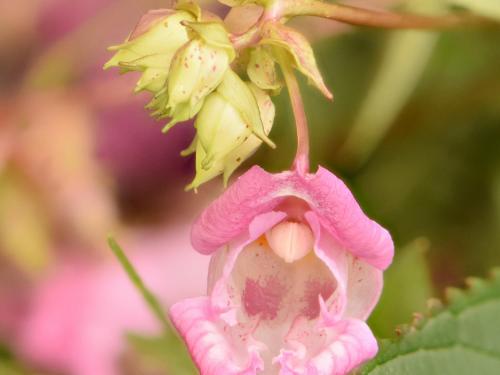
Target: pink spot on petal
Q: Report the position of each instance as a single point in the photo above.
(264, 299)
(314, 289)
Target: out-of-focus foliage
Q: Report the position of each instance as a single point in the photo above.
(462, 339)
(487, 8)
(407, 288)
(163, 352)
(24, 234)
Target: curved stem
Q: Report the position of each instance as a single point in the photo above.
(301, 161)
(365, 17)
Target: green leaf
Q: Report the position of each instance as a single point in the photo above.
(463, 339)
(407, 288)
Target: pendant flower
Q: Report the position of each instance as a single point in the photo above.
(296, 270)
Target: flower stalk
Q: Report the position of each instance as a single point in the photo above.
(370, 18)
(301, 161)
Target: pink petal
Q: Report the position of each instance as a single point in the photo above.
(364, 288)
(216, 347)
(331, 348)
(337, 261)
(230, 215)
(359, 283)
(342, 216)
(227, 259)
(257, 192)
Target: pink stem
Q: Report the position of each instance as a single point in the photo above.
(301, 161)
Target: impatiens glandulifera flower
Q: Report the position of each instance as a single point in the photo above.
(296, 270)
(224, 139)
(151, 47)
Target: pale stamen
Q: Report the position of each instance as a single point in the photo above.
(291, 241)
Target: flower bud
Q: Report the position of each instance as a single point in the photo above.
(287, 44)
(196, 70)
(151, 47)
(227, 163)
(261, 69)
(220, 129)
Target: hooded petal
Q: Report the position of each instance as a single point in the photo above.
(257, 192)
(230, 215)
(342, 216)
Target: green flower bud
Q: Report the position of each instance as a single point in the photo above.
(151, 47)
(196, 71)
(212, 136)
(236, 92)
(220, 129)
(262, 71)
(290, 45)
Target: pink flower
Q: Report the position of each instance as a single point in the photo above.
(297, 269)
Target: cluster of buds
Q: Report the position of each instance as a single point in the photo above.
(188, 60)
(184, 56)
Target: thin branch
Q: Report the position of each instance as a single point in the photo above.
(383, 19)
(301, 161)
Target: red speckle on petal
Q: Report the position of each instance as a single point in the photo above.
(263, 299)
(314, 289)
